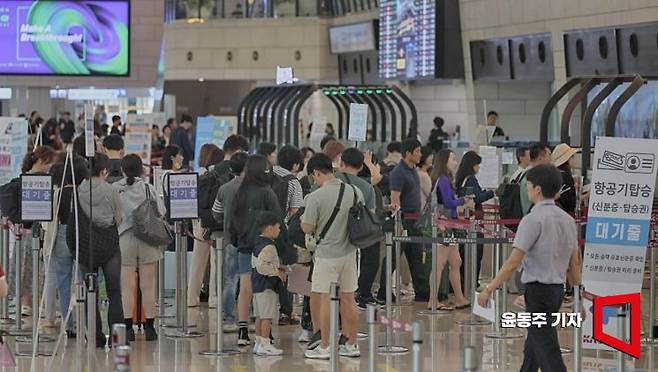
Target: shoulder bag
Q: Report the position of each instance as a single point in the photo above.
(363, 226)
(148, 224)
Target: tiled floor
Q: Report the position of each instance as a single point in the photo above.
(442, 350)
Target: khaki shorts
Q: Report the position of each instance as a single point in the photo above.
(340, 270)
(265, 305)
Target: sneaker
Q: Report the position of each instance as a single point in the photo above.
(362, 304)
(230, 327)
(318, 353)
(256, 347)
(382, 300)
(243, 337)
(26, 310)
(101, 340)
(269, 350)
(350, 351)
(315, 341)
(305, 336)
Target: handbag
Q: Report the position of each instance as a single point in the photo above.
(148, 224)
(105, 245)
(363, 227)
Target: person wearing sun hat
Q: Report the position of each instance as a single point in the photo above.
(563, 158)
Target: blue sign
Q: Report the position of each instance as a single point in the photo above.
(211, 129)
(618, 231)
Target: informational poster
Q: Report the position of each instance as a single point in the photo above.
(284, 75)
(18, 145)
(138, 136)
(490, 169)
(212, 129)
(620, 206)
(36, 197)
(90, 148)
(8, 160)
(183, 196)
(358, 125)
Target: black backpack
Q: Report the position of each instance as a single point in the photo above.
(10, 202)
(295, 233)
(209, 185)
(384, 183)
(510, 201)
(280, 186)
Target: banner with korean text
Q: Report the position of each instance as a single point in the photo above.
(138, 136)
(13, 147)
(618, 223)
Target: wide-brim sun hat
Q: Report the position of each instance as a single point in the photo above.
(562, 153)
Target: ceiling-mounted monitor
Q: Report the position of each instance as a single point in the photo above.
(407, 43)
(355, 37)
(73, 38)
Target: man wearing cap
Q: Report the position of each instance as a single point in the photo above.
(563, 159)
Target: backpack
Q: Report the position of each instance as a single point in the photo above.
(10, 203)
(209, 185)
(295, 233)
(384, 183)
(510, 201)
(280, 186)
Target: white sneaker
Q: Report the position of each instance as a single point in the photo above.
(230, 327)
(269, 350)
(318, 353)
(305, 336)
(256, 349)
(350, 351)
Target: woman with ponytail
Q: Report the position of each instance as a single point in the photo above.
(136, 254)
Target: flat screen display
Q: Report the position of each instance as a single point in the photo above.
(358, 37)
(407, 39)
(52, 37)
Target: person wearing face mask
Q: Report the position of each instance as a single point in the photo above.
(36, 162)
(106, 217)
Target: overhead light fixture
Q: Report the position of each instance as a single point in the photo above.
(201, 80)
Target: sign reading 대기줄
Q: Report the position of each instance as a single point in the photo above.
(36, 197)
(183, 196)
(618, 223)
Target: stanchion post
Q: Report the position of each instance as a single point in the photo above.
(388, 348)
(372, 336)
(333, 325)
(80, 294)
(18, 330)
(90, 282)
(181, 287)
(4, 260)
(621, 329)
(219, 265)
(470, 277)
(122, 359)
(398, 257)
(578, 332)
(470, 359)
(417, 343)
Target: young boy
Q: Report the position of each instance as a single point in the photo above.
(267, 277)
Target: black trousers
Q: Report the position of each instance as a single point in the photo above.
(542, 348)
(419, 269)
(285, 301)
(369, 267)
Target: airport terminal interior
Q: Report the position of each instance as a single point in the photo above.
(328, 185)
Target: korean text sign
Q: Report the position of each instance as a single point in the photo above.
(36, 197)
(620, 206)
(183, 196)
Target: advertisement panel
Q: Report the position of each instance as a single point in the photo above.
(65, 37)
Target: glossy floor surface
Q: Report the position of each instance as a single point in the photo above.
(442, 350)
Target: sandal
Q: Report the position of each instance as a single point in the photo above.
(462, 307)
(442, 307)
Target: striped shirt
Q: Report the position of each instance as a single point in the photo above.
(295, 194)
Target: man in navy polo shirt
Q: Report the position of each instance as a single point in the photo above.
(404, 184)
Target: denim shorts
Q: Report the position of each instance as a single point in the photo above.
(244, 263)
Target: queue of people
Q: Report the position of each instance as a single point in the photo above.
(260, 200)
